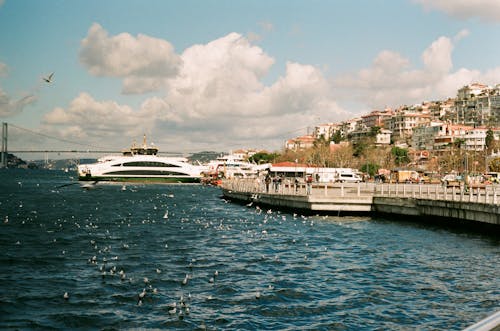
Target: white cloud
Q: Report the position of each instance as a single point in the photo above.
(144, 61)
(437, 57)
(8, 106)
(3, 69)
(392, 81)
(215, 97)
(460, 35)
(219, 88)
(100, 119)
(487, 10)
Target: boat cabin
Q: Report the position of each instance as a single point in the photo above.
(141, 150)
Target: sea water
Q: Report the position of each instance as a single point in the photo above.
(181, 257)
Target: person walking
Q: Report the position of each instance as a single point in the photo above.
(309, 181)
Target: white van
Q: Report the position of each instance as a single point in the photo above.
(349, 177)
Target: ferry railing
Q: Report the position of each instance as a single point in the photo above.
(487, 194)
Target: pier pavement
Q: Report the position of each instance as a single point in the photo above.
(480, 204)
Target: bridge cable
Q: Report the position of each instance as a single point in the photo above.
(54, 138)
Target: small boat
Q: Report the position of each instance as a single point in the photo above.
(142, 164)
(234, 166)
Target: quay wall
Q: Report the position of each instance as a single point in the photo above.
(282, 201)
(460, 210)
(428, 201)
(314, 203)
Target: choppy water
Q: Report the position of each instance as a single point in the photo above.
(276, 271)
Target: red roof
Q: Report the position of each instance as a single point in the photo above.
(289, 164)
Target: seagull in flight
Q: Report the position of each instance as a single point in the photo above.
(48, 79)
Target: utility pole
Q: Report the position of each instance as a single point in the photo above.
(3, 152)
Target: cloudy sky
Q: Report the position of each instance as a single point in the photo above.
(225, 74)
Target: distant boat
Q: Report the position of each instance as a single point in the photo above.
(233, 166)
(141, 163)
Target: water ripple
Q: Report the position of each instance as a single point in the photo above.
(206, 264)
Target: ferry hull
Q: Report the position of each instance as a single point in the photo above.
(140, 179)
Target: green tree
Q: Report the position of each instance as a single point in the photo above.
(370, 168)
(400, 155)
(337, 136)
(360, 147)
(489, 140)
(321, 142)
(458, 143)
(262, 157)
(374, 131)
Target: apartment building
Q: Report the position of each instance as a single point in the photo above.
(300, 143)
(424, 135)
(350, 126)
(383, 137)
(433, 125)
(325, 130)
(376, 118)
(475, 139)
(404, 121)
(478, 105)
(448, 134)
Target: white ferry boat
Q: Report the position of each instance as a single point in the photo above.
(233, 166)
(141, 163)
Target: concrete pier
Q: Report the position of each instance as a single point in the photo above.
(305, 202)
(477, 205)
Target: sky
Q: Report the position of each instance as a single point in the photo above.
(221, 75)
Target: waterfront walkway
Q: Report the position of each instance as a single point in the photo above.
(481, 204)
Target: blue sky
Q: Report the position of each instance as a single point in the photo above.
(221, 75)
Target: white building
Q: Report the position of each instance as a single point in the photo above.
(403, 122)
(475, 139)
(383, 137)
(325, 130)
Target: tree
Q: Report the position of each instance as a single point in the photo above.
(262, 157)
(400, 155)
(319, 155)
(337, 136)
(321, 142)
(458, 143)
(370, 168)
(489, 140)
(494, 164)
(342, 157)
(374, 131)
(360, 147)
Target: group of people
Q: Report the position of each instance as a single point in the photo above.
(278, 180)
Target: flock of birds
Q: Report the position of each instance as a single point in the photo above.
(149, 286)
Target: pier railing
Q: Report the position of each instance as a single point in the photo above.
(487, 194)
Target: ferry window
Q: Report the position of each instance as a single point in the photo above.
(148, 164)
(146, 173)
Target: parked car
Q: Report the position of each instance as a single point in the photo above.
(450, 180)
(493, 177)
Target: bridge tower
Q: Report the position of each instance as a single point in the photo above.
(3, 152)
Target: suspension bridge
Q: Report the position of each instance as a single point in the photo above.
(82, 148)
